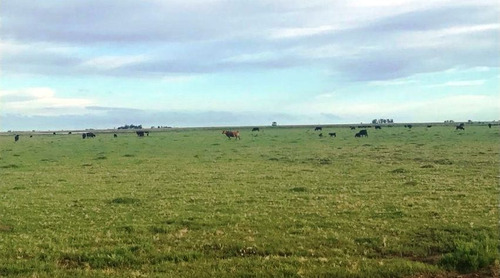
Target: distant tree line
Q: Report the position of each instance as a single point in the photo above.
(382, 121)
(130, 127)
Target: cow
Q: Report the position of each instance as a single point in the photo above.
(378, 127)
(460, 127)
(141, 133)
(489, 125)
(84, 135)
(429, 125)
(255, 129)
(357, 135)
(88, 135)
(16, 138)
(320, 135)
(114, 135)
(332, 134)
(363, 132)
(318, 128)
(409, 126)
(230, 133)
(352, 127)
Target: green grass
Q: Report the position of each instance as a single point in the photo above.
(282, 202)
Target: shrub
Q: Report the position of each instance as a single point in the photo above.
(470, 256)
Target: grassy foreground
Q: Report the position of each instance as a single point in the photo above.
(282, 202)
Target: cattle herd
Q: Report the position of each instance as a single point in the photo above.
(236, 134)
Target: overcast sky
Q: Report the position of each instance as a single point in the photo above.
(106, 63)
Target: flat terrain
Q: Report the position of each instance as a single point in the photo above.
(282, 202)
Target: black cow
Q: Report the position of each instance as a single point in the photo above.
(320, 135)
(255, 129)
(332, 134)
(114, 135)
(460, 127)
(429, 126)
(363, 132)
(352, 127)
(84, 135)
(378, 127)
(141, 133)
(489, 125)
(357, 135)
(409, 126)
(16, 138)
(318, 128)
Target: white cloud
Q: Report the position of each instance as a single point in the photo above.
(285, 33)
(463, 83)
(40, 101)
(113, 62)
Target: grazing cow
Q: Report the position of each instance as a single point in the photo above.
(460, 127)
(255, 129)
(352, 127)
(363, 132)
(114, 135)
(320, 135)
(88, 135)
(357, 135)
(429, 126)
(53, 133)
(140, 133)
(409, 126)
(332, 134)
(230, 133)
(16, 138)
(318, 128)
(378, 127)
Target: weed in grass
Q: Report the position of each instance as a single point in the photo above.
(125, 200)
(470, 256)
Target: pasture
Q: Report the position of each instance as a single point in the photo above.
(281, 202)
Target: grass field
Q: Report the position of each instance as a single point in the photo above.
(280, 203)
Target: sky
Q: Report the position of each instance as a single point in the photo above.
(193, 63)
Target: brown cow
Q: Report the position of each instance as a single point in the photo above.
(230, 133)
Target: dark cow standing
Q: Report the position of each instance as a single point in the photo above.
(489, 125)
(378, 127)
(255, 129)
(141, 133)
(230, 133)
(361, 133)
(321, 135)
(84, 135)
(114, 135)
(332, 134)
(460, 127)
(318, 128)
(16, 138)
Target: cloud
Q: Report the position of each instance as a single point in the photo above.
(113, 62)
(40, 101)
(362, 41)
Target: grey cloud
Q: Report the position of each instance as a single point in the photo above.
(201, 38)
